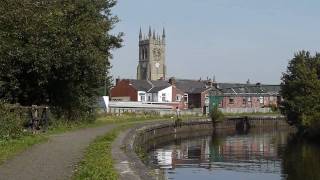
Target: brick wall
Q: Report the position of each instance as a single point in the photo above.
(182, 103)
(252, 102)
(123, 89)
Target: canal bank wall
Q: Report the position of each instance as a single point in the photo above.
(133, 144)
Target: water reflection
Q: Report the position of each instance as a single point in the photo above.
(256, 155)
(301, 160)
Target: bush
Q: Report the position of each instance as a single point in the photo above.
(216, 115)
(11, 124)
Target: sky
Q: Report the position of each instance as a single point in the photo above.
(233, 40)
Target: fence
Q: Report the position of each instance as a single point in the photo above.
(246, 110)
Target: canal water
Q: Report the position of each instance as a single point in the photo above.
(255, 155)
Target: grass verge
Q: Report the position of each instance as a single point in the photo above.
(98, 161)
(11, 147)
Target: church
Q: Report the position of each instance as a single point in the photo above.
(152, 55)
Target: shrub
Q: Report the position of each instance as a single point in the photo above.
(11, 124)
(216, 115)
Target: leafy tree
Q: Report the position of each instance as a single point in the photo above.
(56, 52)
(300, 89)
(216, 115)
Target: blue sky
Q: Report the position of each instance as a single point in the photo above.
(234, 40)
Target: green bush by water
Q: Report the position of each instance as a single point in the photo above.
(216, 115)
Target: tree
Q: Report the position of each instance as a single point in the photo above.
(56, 52)
(216, 115)
(300, 89)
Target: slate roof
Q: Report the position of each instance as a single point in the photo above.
(198, 86)
(141, 85)
(190, 86)
(157, 89)
(249, 90)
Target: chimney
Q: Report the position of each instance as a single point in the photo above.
(172, 81)
(118, 80)
(209, 83)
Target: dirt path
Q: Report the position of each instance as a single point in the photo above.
(53, 160)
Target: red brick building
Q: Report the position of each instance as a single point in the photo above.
(248, 96)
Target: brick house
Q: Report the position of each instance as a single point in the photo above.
(248, 96)
(195, 92)
(155, 92)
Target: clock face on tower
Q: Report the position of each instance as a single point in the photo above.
(157, 65)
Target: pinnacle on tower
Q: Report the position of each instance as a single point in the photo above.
(140, 35)
(164, 36)
(164, 33)
(149, 31)
(154, 34)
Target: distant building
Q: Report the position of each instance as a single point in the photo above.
(246, 97)
(152, 55)
(155, 92)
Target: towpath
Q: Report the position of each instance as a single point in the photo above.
(53, 160)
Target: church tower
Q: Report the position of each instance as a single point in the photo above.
(152, 56)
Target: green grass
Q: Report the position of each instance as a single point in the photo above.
(9, 148)
(98, 163)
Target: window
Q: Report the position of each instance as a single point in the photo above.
(143, 98)
(163, 97)
(244, 101)
(178, 98)
(231, 101)
(261, 100)
(206, 100)
(186, 98)
(146, 54)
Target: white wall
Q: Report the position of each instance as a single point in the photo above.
(139, 96)
(168, 94)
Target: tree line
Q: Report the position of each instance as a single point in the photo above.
(56, 53)
(300, 89)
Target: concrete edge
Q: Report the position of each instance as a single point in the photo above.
(127, 162)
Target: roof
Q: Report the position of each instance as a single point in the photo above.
(198, 86)
(191, 86)
(149, 86)
(141, 85)
(157, 89)
(246, 90)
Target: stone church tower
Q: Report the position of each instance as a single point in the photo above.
(152, 51)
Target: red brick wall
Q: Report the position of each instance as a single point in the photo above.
(175, 91)
(124, 89)
(254, 103)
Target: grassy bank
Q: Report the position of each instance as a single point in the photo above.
(98, 162)
(11, 147)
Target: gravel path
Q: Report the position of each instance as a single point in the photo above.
(53, 160)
